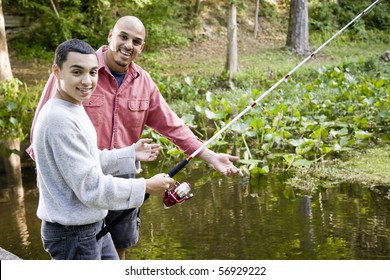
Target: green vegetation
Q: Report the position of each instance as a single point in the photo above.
(17, 107)
(338, 102)
(368, 168)
(309, 119)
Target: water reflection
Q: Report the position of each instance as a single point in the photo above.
(231, 218)
(18, 201)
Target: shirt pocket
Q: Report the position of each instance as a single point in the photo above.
(94, 108)
(138, 110)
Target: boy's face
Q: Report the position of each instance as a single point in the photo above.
(78, 77)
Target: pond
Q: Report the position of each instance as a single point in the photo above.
(230, 218)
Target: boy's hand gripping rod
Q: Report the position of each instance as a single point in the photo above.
(184, 162)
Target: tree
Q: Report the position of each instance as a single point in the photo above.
(298, 27)
(232, 50)
(197, 6)
(256, 19)
(12, 160)
(5, 65)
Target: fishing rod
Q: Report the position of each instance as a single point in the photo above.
(180, 192)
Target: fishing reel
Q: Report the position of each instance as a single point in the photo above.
(177, 194)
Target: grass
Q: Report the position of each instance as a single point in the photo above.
(209, 60)
(368, 168)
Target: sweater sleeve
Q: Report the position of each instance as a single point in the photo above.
(119, 162)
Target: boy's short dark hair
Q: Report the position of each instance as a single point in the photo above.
(72, 45)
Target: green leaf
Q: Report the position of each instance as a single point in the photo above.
(260, 170)
(11, 106)
(320, 133)
(341, 132)
(188, 81)
(302, 163)
(296, 142)
(13, 121)
(363, 134)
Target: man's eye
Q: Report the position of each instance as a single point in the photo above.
(76, 72)
(94, 73)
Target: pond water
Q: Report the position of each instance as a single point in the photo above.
(230, 218)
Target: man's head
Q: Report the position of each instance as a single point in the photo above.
(76, 69)
(126, 41)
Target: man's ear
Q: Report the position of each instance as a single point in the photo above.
(142, 48)
(109, 37)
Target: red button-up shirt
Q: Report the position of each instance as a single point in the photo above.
(120, 114)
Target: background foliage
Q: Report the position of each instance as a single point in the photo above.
(169, 23)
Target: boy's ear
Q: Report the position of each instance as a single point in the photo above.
(56, 70)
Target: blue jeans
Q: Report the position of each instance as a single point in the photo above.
(77, 242)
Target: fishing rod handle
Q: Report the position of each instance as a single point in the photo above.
(178, 167)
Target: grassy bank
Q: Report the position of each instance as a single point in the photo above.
(367, 168)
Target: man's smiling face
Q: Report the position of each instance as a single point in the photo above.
(126, 41)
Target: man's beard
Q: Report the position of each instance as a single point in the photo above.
(120, 63)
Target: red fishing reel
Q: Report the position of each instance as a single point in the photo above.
(177, 194)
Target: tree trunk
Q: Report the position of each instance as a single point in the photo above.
(12, 163)
(232, 55)
(5, 65)
(298, 27)
(256, 20)
(197, 6)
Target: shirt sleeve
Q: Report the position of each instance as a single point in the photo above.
(47, 93)
(162, 119)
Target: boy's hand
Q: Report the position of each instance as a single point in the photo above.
(158, 184)
(144, 151)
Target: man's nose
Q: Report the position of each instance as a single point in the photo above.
(129, 45)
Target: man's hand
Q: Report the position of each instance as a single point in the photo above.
(144, 151)
(221, 162)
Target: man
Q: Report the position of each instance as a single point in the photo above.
(125, 100)
(75, 179)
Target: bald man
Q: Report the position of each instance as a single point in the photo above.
(125, 100)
